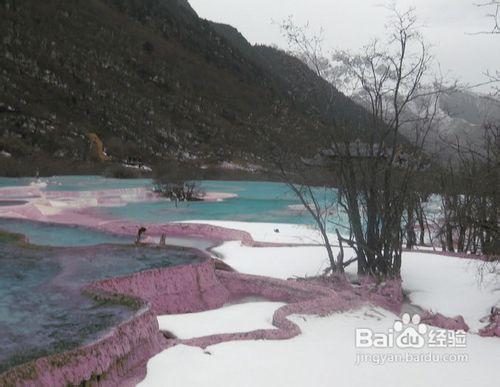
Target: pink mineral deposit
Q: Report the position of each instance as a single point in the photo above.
(493, 328)
(451, 323)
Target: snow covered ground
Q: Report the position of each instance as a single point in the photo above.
(276, 262)
(434, 282)
(324, 355)
(267, 232)
(450, 286)
(257, 315)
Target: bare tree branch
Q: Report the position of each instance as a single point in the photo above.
(494, 15)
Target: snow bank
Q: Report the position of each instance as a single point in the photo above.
(437, 283)
(449, 286)
(276, 262)
(324, 355)
(273, 232)
(235, 318)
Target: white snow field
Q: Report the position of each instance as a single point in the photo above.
(266, 232)
(434, 282)
(256, 315)
(325, 353)
(450, 286)
(277, 262)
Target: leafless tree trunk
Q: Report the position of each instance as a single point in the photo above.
(319, 211)
(374, 168)
(470, 193)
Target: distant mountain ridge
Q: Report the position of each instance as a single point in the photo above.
(466, 113)
(461, 118)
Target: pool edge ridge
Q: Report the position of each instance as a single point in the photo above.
(126, 348)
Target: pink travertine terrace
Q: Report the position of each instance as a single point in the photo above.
(120, 356)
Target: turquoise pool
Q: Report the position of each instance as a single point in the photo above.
(42, 308)
(256, 202)
(59, 236)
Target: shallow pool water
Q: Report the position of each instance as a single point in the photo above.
(42, 308)
(59, 236)
(256, 202)
(8, 203)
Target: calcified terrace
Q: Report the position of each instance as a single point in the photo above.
(119, 291)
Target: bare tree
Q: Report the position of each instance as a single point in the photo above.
(317, 208)
(170, 182)
(494, 14)
(374, 166)
(178, 190)
(493, 77)
(470, 192)
(307, 46)
(471, 196)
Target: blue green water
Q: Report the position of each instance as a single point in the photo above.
(53, 235)
(256, 202)
(14, 182)
(42, 308)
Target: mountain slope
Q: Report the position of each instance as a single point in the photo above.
(152, 81)
(461, 118)
(464, 115)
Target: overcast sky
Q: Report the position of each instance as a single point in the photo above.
(348, 24)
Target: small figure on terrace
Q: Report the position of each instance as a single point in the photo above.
(140, 233)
